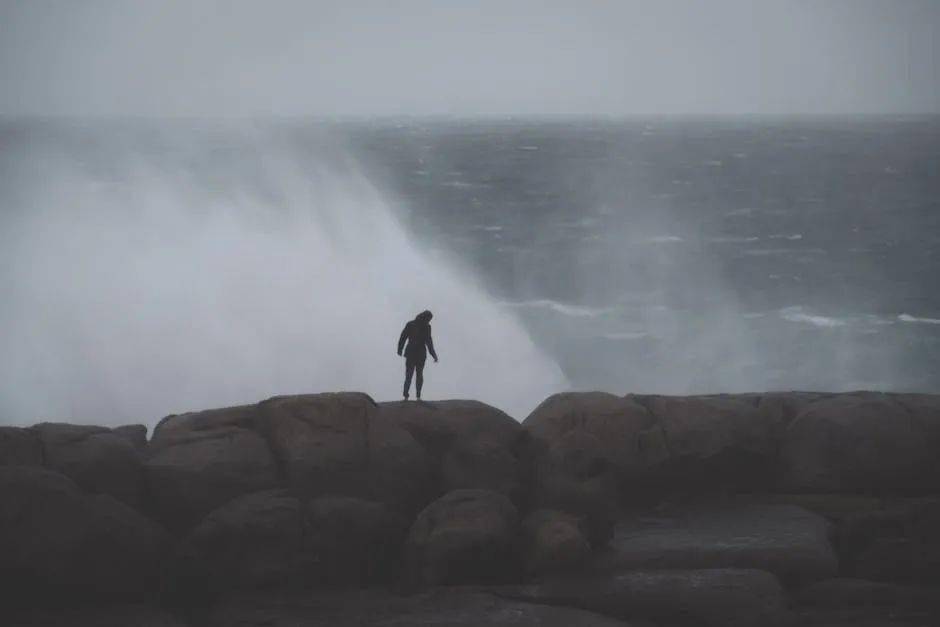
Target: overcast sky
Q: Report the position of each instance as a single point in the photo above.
(234, 58)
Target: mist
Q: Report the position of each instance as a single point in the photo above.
(149, 270)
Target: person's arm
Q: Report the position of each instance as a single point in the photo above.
(431, 344)
(402, 338)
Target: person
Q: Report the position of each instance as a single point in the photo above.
(417, 333)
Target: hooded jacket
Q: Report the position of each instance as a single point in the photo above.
(417, 333)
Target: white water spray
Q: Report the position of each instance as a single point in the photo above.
(150, 271)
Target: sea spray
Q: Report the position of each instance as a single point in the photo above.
(165, 267)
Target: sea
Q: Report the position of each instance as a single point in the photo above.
(692, 255)
(148, 265)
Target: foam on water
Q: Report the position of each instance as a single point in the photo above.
(797, 314)
(576, 311)
(909, 318)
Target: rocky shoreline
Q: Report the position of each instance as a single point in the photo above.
(784, 508)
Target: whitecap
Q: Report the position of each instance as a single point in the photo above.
(664, 239)
(576, 311)
(625, 335)
(792, 238)
(796, 314)
(908, 318)
(734, 240)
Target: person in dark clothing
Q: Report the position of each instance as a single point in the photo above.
(418, 335)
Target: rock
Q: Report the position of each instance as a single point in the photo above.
(860, 442)
(175, 425)
(135, 434)
(466, 536)
(436, 424)
(468, 444)
(95, 458)
(720, 597)
(573, 476)
(251, 541)
(780, 408)
(857, 532)
(439, 607)
(553, 541)
(483, 465)
(785, 540)
(834, 507)
(19, 447)
(338, 444)
(582, 448)
(193, 472)
(352, 541)
(900, 559)
(860, 593)
(108, 616)
(617, 424)
(713, 442)
(62, 546)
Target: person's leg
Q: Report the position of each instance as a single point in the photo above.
(409, 368)
(419, 379)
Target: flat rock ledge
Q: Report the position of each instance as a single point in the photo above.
(779, 508)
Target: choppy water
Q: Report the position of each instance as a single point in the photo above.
(697, 254)
(151, 267)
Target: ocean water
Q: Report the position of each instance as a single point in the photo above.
(693, 255)
(151, 267)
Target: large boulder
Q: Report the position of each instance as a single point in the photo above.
(900, 559)
(855, 593)
(193, 472)
(60, 545)
(713, 442)
(466, 536)
(95, 458)
(130, 615)
(272, 538)
(619, 426)
(785, 540)
(135, 434)
(572, 476)
(377, 608)
(338, 444)
(20, 447)
(861, 442)
(582, 449)
(252, 541)
(780, 408)
(352, 541)
(181, 426)
(469, 444)
(553, 541)
(719, 597)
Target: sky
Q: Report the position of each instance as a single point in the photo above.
(446, 57)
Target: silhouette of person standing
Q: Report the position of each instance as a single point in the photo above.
(417, 333)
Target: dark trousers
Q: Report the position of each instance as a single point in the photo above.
(414, 367)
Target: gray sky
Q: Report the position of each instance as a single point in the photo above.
(214, 57)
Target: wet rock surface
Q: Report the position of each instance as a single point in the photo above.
(199, 470)
(450, 607)
(752, 509)
(673, 596)
(466, 536)
(786, 540)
